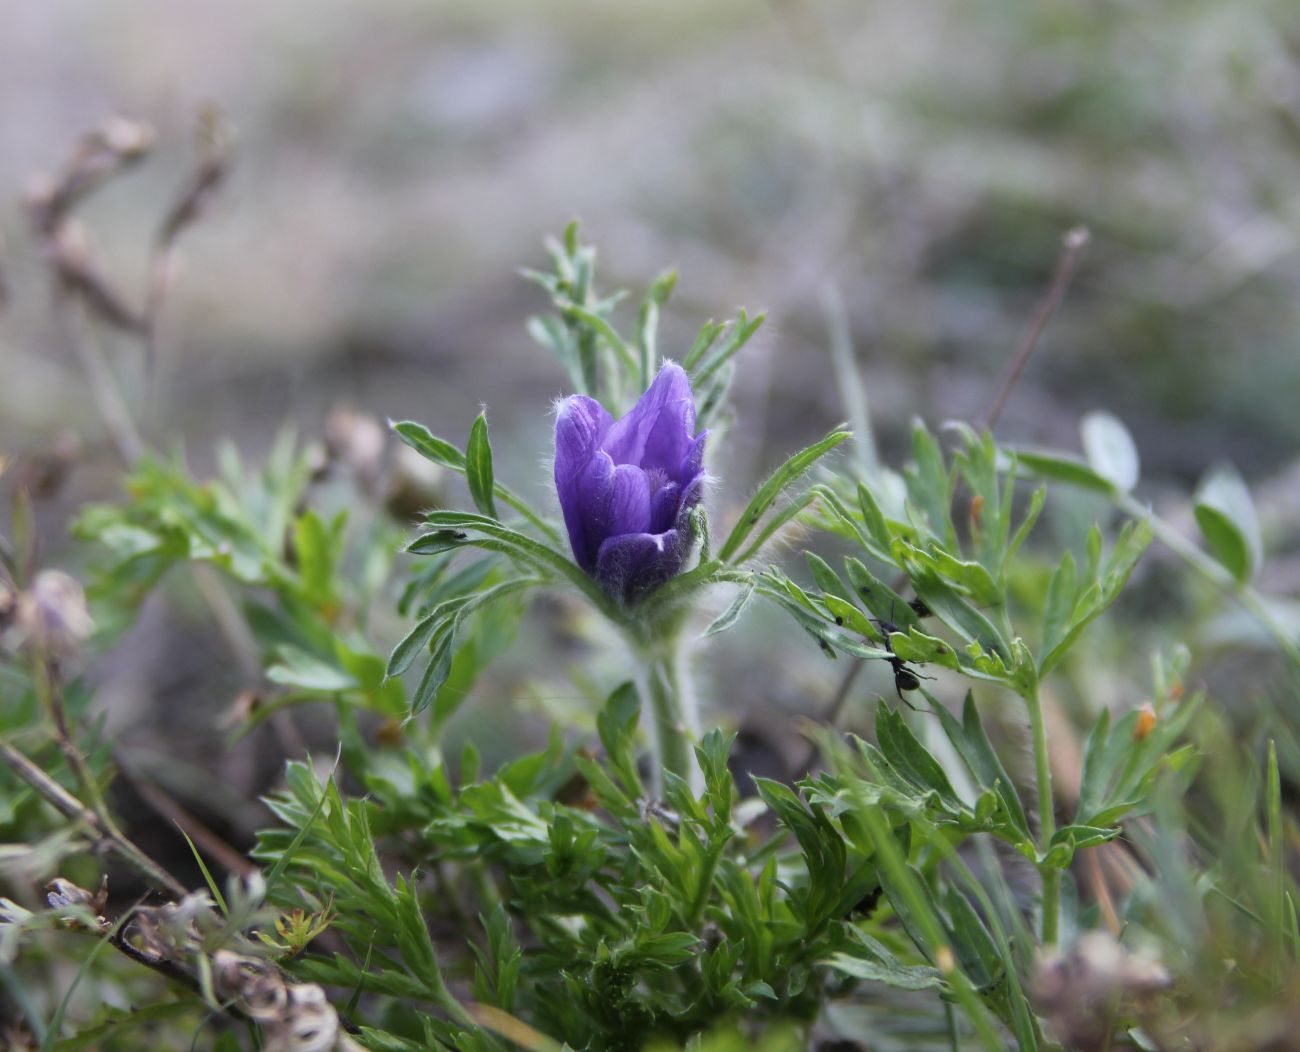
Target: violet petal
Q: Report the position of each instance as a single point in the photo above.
(631, 565)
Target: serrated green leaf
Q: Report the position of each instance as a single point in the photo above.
(1133, 540)
(887, 970)
(973, 746)
(881, 601)
(910, 758)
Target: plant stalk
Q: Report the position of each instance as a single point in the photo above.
(1051, 877)
(665, 687)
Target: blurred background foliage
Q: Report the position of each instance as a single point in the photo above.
(398, 161)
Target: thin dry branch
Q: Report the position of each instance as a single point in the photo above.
(1073, 244)
(68, 805)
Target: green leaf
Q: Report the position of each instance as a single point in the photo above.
(975, 948)
(478, 467)
(1097, 765)
(1105, 589)
(1062, 468)
(601, 327)
(1081, 836)
(298, 668)
(885, 968)
(317, 549)
(874, 520)
(708, 336)
(498, 538)
(881, 601)
(741, 331)
(847, 615)
(732, 614)
(971, 578)
(437, 542)
(413, 642)
(1225, 512)
(1035, 508)
(951, 608)
(975, 749)
(1110, 450)
(435, 674)
(429, 446)
(774, 524)
(441, 452)
(1058, 610)
(552, 333)
(648, 324)
(776, 483)
(910, 758)
(616, 724)
(929, 484)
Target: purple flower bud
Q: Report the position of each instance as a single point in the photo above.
(627, 487)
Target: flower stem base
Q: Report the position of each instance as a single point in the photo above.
(665, 689)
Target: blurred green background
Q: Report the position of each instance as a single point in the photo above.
(398, 160)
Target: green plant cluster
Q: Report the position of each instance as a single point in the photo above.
(593, 896)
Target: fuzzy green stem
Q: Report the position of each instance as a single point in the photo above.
(1051, 876)
(666, 690)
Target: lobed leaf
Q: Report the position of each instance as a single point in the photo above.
(784, 476)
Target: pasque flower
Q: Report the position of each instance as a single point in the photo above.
(627, 486)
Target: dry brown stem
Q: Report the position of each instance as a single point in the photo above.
(1073, 244)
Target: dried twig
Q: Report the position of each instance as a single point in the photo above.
(215, 142)
(71, 807)
(1073, 244)
(171, 940)
(165, 807)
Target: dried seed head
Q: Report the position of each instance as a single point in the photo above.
(414, 485)
(256, 985)
(357, 441)
(127, 138)
(63, 894)
(1081, 989)
(43, 473)
(310, 1022)
(52, 616)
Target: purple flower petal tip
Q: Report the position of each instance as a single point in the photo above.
(627, 486)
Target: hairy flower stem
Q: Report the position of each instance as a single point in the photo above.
(1051, 876)
(665, 687)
